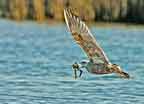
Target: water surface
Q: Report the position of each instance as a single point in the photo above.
(35, 66)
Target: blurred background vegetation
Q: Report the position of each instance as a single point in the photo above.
(90, 10)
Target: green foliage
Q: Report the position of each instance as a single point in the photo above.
(89, 10)
(18, 9)
(39, 10)
(55, 9)
(84, 8)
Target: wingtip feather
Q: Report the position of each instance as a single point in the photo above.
(66, 16)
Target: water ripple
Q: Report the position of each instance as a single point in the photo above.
(35, 66)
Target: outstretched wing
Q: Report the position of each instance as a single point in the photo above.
(84, 38)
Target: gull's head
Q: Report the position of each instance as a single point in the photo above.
(84, 63)
(118, 70)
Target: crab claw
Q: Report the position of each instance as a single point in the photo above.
(75, 67)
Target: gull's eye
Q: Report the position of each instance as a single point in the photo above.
(83, 62)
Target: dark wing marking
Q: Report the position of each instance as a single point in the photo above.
(84, 38)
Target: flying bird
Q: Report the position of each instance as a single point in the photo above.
(98, 62)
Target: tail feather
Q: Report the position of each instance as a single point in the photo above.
(123, 74)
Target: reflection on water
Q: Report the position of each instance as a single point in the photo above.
(35, 66)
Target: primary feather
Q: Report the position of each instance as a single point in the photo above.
(84, 38)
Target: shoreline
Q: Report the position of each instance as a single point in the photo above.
(51, 22)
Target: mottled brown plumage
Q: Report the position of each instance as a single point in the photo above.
(98, 61)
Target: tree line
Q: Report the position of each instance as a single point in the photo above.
(89, 10)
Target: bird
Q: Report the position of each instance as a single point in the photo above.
(97, 63)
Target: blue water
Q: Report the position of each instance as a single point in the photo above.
(36, 59)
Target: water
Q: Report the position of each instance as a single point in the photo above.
(35, 66)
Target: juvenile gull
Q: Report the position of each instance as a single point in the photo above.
(98, 62)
